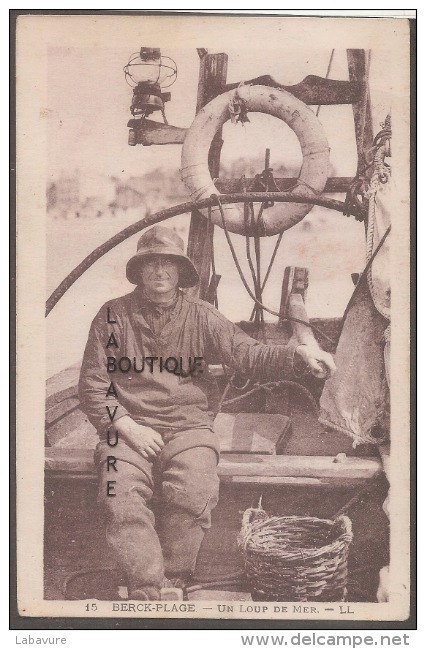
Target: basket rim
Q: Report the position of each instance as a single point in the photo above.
(288, 553)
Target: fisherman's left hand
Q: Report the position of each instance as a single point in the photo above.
(320, 363)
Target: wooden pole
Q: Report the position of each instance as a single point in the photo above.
(358, 73)
(213, 71)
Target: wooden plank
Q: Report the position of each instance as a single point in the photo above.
(72, 431)
(212, 78)
(253, 481)
(82, 477)
(313, 466)
(212, 290)
(157, 133)
(237, 466)
(252, 432)
(213, 71)
(200, 243)
(61, 409)
(312, 90)
(302, 481)
(68, 461)
(334, 185)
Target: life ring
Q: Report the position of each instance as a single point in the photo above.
(272, 101)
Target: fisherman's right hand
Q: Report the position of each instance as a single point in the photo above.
(143, 439)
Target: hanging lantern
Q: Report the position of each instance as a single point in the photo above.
(148, 73)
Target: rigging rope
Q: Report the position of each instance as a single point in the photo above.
(326, 76)
(211, 233)
(167, 213)
(271, 262)
(362, 276)
(380, 176)
(251, 225)
(247, 287)
(271, 385)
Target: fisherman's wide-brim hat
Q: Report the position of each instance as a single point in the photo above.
(160, 240)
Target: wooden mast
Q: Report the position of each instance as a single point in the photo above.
(358, 74)
(213, 71)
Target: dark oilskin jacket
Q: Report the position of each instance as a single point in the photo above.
(163, 400)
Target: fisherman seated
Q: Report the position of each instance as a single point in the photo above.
(155, 417)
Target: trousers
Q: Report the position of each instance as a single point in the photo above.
(181, 488)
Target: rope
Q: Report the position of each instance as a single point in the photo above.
(252, 227)
(189, 206)
(271, 385)
(277, 245)
(234, 579)
(258, 280)
(380, 176)
(248, 227)
(288, 318)
(247, 287)
(258, 268)
(353, 204)
(379, 141)
(362, 276)
(210, 230)
(326, 76)
(257, 313)
(83, 573)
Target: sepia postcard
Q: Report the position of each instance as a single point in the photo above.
(213, 248)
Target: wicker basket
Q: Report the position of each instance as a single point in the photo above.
(295, 559)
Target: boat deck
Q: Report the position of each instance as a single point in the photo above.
(290, 484)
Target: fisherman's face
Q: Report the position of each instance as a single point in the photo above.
(159, 275)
